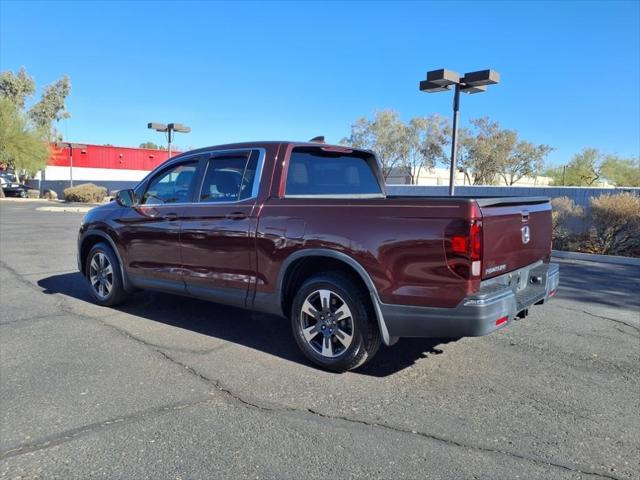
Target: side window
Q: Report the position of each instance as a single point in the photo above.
(229, 178)
(171, 186)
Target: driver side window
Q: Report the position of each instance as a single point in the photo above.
(174, 185)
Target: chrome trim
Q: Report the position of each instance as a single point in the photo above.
(262, 153)
(256, 180)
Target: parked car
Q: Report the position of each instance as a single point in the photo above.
(11, 187)
(307, 231)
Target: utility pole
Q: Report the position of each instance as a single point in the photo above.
(70, 146)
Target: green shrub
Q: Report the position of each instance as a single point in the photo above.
(615, 225)
(86, 193)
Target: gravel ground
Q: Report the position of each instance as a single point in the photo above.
(171, 387)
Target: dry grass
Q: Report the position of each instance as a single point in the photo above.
(615, 225)
(563, 210)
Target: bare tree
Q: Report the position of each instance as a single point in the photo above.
(426, 139)
(525, 159)
(386, 135)
(484, 148)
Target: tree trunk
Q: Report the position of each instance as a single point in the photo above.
(415, 178)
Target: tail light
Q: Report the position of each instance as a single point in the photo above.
(463, 247)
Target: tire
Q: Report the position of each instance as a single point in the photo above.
(23, 194)
(332, 336)
(105, 284)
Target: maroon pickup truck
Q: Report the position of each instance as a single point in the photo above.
(306, 231)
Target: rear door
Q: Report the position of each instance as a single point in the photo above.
(514, 234)
(218, 255)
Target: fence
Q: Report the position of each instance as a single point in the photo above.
(580, 195)
(58, 186)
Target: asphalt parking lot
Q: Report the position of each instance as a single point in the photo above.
(171, 387)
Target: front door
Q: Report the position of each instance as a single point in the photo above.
(217, 245)
(150, 231)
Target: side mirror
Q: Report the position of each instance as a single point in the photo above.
(126, 198)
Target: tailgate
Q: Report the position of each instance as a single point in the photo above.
(516, 232)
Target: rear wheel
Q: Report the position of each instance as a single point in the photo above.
(104, 276)
(333, 322)
(23, 194)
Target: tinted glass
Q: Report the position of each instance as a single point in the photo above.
(229, 179)
(171, 186)
(246, 190)
(315, 172)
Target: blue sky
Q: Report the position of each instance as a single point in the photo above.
(248, 71)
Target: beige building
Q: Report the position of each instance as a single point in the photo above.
(440, 176)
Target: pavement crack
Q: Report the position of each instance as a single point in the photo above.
(277, 408)
(74, 433)
(616, 320)
(478, 448)
(229, 394)
(19, 277)
(30, 319)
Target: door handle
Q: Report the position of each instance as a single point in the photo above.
(236, 216)
(170, 217)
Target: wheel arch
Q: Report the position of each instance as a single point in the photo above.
(91, 238)
(292, 264)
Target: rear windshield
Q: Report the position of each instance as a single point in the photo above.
(315, 172)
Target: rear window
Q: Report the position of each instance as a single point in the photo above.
(315, 172)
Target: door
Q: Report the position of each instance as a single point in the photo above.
(217, 231)
(150, 230)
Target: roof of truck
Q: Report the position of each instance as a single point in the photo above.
(265, 143)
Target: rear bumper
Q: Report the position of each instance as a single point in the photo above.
(14, 190)
(477, 314)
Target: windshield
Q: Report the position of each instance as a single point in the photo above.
(8, 176)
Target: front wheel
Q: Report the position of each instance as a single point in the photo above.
(333, 322)
(103, 274)
(23, 194)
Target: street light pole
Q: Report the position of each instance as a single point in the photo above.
(472, 82)
(169, 129)
(454, 141)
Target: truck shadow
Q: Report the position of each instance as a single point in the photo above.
(267, 333)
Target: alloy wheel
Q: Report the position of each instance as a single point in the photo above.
(101, 275)
(327, 323)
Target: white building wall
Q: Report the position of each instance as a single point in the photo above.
(56, 173)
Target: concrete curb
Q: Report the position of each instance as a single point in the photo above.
(590, 257)
(64, 209)
(18, 199)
